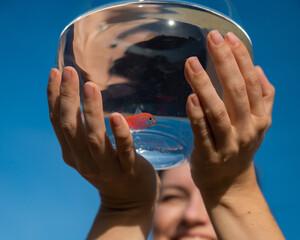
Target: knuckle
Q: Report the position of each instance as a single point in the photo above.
(197, 118)
(272, 90)
(200, 80)
(89, 110)
(90, 116)
(203, 133)
(242, 52)
(122, 137)
(126, 152)
(67, 125)
(50, 92)
(264, 123)
(252, 79)
(230, 153)
(247, 138)
(95, 141)
(269, 123)
(200, 75)
(217, 115)
(199, 127)
(67, 92)
(240, 90)
(269, 89)
(54, 118)
(68, 159)
(224, 55)
(125, 145)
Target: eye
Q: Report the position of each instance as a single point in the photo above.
(150, 118)
(171, 197)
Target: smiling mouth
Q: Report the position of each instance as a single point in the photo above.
(193, 238)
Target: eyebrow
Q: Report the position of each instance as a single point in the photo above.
(174, 187)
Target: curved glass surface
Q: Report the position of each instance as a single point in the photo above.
(135, 52)
(223, 6)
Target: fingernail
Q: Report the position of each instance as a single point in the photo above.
(232, 39)
(216, 37)
(66, 76)
(88, 92)
(116, 121)
(195, 100)
(195, 64)
(52, 74)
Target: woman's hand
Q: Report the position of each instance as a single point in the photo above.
(227, 133)
(125, 180)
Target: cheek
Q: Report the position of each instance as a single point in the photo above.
(166, 220)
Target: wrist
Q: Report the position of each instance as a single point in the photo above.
(240, 185)
(124, 224)
(235, 195)
(130, 213)
(247, 210)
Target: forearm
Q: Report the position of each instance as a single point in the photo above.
(243, 214)
(129, 224)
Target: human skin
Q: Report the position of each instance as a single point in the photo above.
(180, 212)
(227, 133)
(126, 181)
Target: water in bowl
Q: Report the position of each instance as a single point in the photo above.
(168, 143)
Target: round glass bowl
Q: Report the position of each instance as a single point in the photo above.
(135, 52)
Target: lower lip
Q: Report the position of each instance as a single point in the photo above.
(193, 238)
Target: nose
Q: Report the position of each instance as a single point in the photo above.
(195, 211)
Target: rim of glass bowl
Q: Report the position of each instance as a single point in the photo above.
(182, 3)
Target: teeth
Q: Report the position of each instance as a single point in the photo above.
(193, 238)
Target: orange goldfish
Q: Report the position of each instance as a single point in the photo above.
(140, 121)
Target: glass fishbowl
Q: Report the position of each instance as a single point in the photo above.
(135, 52)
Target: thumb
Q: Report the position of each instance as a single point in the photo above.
(124, 141)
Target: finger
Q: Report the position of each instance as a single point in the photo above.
(124, 142)
(203, 140)
(211, 104)
(97, 139)
(53, 94)
(249, 73)
(235, 92)
(268, 90)
(70, 119)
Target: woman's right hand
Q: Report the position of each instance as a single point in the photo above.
(125, 180)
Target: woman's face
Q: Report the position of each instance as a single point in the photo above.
(180, 213)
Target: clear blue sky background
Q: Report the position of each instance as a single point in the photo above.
(42, 198)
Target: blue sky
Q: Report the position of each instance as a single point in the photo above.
(42, 198)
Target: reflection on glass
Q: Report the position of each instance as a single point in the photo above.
(135, 52)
